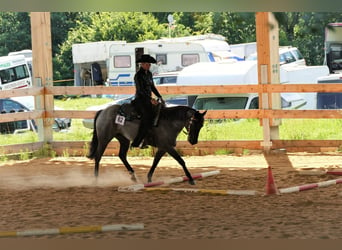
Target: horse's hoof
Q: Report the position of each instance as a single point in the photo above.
(133, 177)
(192, 182)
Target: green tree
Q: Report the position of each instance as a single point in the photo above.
(61, 23)
(306, 31)
(236, 27)
(15, 32)
(107, 26)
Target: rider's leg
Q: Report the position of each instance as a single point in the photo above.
(144, 107)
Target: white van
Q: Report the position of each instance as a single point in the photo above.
(14, 73)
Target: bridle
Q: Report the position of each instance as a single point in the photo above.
(188, 127)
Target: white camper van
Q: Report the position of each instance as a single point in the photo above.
(14, 73)
(117, 60)
(27, 53)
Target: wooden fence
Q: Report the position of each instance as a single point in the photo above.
(203, 147)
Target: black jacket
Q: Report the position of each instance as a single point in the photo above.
(144, 84)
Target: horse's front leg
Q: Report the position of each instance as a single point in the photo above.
(156, 160)
(124, 146)
(179, 159)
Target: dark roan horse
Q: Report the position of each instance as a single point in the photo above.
(108, 125)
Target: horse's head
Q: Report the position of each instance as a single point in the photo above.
(194, 127)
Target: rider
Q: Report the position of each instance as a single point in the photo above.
(143, 97)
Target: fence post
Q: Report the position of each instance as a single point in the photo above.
(42, 67)
(267, 36)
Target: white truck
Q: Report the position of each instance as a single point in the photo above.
(117, 59)
(333, 59)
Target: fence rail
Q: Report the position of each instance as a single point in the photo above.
(202, 147)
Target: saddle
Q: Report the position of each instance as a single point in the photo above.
(128, 111)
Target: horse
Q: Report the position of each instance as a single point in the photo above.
(110, 123)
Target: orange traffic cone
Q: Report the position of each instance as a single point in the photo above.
(271, 187)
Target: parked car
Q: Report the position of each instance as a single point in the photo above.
(11, 105)
(243, 101)
(287, 56)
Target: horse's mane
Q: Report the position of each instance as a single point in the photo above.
(175, 113)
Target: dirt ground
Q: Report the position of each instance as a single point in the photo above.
(62, 192)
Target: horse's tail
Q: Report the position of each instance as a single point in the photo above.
(94, 141)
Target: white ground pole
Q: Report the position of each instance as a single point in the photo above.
(309, 186)
(320, 172)
(139, 187)
(69, 230)
(205, 191)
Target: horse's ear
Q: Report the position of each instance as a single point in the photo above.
(203, 114)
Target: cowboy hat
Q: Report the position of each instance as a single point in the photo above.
(146, 58)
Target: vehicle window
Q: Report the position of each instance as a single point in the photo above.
(282, 59)
(161, 58)
(13, 74)
(329, 100)
(287, 57)
(21, 72)
(188, 59)
(156, 80)
(178, 101)
(297, 54)
(7, 75)
(254, 103)
(336, 56)
(9, 105)
(9, 127)
(221, 103)
(122, 61)
(165, 80)
(170, 79)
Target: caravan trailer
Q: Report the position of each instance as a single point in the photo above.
(85, 55)
(117, 59)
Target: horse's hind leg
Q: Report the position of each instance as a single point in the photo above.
(124, 146)
(179, 159)
(99, 152)
(156, 160)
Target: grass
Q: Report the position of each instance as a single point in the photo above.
(244, 129)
